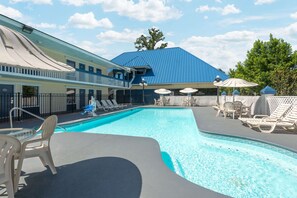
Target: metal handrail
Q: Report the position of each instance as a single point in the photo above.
(32, 114)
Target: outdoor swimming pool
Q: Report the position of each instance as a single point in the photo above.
(231, 166)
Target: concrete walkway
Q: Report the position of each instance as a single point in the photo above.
(208, 122)
(95, 165)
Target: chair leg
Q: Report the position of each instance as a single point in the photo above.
(9, 189)
(50, 162)
(18, 173)
(42, 160)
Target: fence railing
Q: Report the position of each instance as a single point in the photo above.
(44, 104)
(76, 76)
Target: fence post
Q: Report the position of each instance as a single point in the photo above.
(50, 103)
(19, 105)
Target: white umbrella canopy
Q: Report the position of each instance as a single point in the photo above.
(188, 90)
(162, 91)
(235, 82)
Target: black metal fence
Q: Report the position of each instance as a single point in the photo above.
(46, 104)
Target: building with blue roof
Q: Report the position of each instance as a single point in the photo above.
(170, 68)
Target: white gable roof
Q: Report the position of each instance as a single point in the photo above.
(17, 50)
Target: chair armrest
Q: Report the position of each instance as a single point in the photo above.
(24, 144)
(260, 116)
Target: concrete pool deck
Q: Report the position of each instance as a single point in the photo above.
(95, 165)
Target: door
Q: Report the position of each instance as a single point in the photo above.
(6, 100)
(82, 98)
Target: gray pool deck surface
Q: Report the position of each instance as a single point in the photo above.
(96, 165)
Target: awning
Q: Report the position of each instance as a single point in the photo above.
(18, 51)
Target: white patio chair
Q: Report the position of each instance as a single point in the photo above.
(276, 114)
(246, 111)
(9, 146)
(229, 109)
(238, 108)
(156, 102)
(104, 104)
(116, 104)
(287, 122)
(39, 147)
(219, 109)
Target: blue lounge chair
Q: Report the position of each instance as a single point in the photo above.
(89, 109)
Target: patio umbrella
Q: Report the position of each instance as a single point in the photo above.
(189, 92)
(235, 83)
(162, 92)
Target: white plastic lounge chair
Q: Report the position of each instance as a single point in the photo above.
(112, 105)
(287, 122)
(42, 150)
(116, 104)
(229, 109)
(99, 106)
(104, 104)
(276, 114)
(9, 146)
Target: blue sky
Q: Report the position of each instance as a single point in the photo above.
(218, 31)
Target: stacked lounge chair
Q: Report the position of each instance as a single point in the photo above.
(276, 114)
(287, 122)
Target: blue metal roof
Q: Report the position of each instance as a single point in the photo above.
(170, 66)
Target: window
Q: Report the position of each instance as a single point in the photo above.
(82, 67)
(91, 69)
(98, 71)
(70, 63)
(30, 96)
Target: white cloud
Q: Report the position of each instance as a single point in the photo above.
(88, 21)
(218, 1)
(143, 10)
(10, 12)
(221, 51)
(224, 51)
(291, 30)
(228, 9)
(205, 17)
(261, 2)
(245, 19)
(44, 25)
(76, 2)
(33, 1)
(294, 15)
(126, 36)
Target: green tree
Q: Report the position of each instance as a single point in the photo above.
(270, 63)
(149, 42)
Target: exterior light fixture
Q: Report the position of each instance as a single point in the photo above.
(27, 29)
(218, 79)
(143, 83)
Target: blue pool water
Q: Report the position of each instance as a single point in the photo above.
(231, 166)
